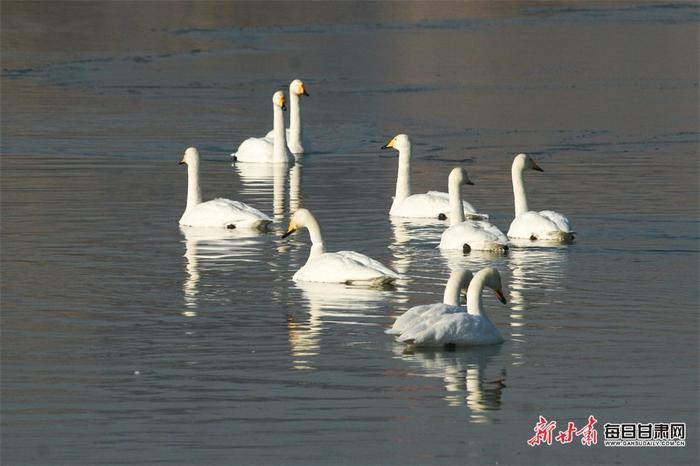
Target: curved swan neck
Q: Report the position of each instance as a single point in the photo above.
(458, 279)
(403, 180)
(295, 132)
(194, 192)
(474, 303)
(454, 189)
(279, 146)
(519, 189)
(317, 246)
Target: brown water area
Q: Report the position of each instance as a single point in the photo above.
(126, 339)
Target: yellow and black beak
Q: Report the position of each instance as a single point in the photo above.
(389, 145)
(536, 167)
(290, 229)
(500, 296)
(182, 162)
(283, 104)
(303, 91)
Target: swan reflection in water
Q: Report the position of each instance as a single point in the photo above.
(411, 238)
(474, 260)
(258, 179)
(472, 376)
(210, 249)
(537, 276)
(330, 304)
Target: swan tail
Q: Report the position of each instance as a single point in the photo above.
(475, 216)
(565, 236)
(259, 224)
(497, 247)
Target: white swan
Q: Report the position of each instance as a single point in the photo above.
(296, 141)
(446, 323)
(433, 204)
(219, 213)
(545, 225)
(335, 267)
(468, 235)
(264, 150)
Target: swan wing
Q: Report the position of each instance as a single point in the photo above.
(256, 150)
(418, 314)
(345, 267)
(431, 205)
(368, 262)
(454, 329)
(225, 213)
(558, 219)
(536, 226)
(479, 235)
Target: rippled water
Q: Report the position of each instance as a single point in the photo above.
(126, 339)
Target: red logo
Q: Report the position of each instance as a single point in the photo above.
(544, 430)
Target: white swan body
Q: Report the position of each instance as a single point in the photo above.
(545, 225)
(335, 267)
(446, 323)
(468, 235)
(217, 213)
(296, 142)
(266, 150)
(433, 204)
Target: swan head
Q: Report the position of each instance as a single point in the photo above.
(278, 100)
(492, 279)
(297, 87)
(459, 175)
(300, 219)
(525, 162)
(400, 142)
(190, 157)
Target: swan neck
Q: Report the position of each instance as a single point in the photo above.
(317, 246)
(456, 211)
(452, 291)
(279, 145)
(194, 192)
(403, 180)
(295, 132)
(519, 190)
(474, 292)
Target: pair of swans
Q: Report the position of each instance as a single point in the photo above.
(546, 225)
(447, 323)
(279, 144)
(433, 204)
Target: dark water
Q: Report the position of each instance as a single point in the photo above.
(126, 340)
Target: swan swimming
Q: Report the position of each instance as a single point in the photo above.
(433, 204)
(468, 235)
(296, 142)
(264, 150)
(545, 225)
(335, 267)
(218, 213)
(446, 323)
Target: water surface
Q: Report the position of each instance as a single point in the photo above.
(126, 339)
